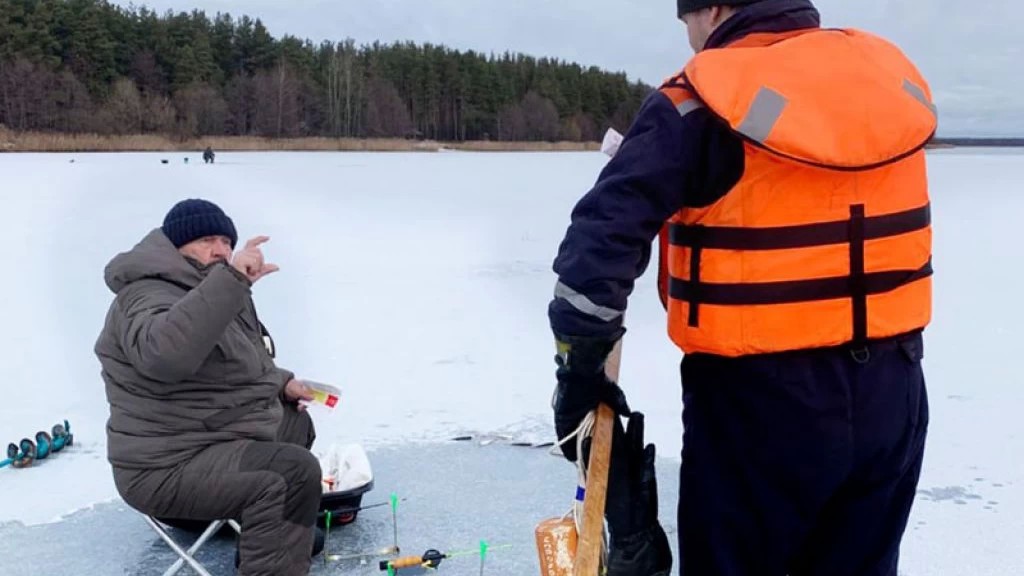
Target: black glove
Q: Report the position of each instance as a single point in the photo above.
(638, 545)
(582, 385)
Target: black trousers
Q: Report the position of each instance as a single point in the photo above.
(801, 463)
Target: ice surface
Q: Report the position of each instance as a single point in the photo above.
(452, 496)
(418, 284)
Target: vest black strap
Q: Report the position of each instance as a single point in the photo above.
(800, 236)
(695, 293)
(856, 286)
(789, 292)
(677, 81)
(858, 282)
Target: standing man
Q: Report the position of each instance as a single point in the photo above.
(784, 170)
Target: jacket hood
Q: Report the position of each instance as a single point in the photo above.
(153, 257)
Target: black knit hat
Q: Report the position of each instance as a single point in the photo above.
(687, 6)
(191, 219)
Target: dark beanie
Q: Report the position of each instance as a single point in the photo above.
(687, 6)
(191, 219)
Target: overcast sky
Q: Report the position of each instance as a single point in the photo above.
(971, 52)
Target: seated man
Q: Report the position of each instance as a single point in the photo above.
(203, 425)
(208, 155)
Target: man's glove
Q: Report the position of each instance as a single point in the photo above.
(638, 545)
(582, 385)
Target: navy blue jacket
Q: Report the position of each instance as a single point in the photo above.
(665, 163)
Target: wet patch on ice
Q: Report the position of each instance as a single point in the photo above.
(530, 432)
(465, 360)
(956, 494)
(971, 492)
(515, 269)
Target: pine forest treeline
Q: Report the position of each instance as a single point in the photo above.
(90, 66)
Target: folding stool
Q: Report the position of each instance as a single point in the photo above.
(187, 556)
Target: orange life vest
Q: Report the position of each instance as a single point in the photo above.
(826, 238)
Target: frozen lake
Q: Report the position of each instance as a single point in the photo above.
(418, 283)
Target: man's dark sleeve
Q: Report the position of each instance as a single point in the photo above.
(167, 337)
(668, 159)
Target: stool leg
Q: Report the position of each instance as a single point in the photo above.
(206, 535)
(186, 557)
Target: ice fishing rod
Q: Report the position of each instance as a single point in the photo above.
(352, 509)
(409, 565)
(393, 549)
(431, 560)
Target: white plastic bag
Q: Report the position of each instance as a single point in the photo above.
(345, 467)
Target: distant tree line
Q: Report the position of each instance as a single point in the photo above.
(90, 66)
(976, 141)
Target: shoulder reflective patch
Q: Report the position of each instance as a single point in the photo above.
(764, 113)
(919, 95)
(584, 304)
(687, 106)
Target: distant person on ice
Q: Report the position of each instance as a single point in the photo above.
(203, 425)
(208, 155)
(784, 170)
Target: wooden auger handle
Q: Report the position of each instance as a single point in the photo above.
(588, 551)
